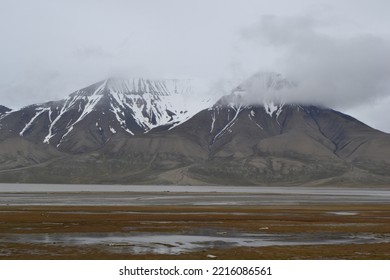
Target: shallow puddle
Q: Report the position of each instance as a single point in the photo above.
(136, 243)
(344, 213)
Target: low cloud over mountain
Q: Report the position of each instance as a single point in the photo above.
(328, 68)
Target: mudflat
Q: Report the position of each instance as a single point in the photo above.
(299, 231)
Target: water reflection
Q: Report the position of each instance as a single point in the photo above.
(181, 243)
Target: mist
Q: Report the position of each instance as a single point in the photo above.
(342, 71)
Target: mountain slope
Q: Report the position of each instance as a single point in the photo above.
(4, 110)
(117, 132)
(296, 146)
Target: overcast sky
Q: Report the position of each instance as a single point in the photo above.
(337, 51)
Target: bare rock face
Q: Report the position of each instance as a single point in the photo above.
(156, 132)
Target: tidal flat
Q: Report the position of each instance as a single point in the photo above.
(247, 223)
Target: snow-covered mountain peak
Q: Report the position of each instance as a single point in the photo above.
(265, 89)
(141, 86)
(149, 102)
(131, 106)
(146, 86)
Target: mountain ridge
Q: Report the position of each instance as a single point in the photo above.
(4, 110)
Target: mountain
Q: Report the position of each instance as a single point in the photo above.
(4, 110)
(248, 137)
(89, 117)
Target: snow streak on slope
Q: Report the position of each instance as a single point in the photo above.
(89, 106)
(213, 118)
(71, 103)
(28, 125)
(91, 102)
(229, 124)
(251, 115)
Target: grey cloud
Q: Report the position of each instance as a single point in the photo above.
(87, 41)
(39, 86)
(331, 70)
(91, 53)
(279, 31)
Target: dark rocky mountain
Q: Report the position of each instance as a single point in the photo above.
(231, 142)
(4, 110)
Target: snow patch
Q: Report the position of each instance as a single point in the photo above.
(91, 100)
(250, 117)
(270, 108)
(28, 125)
(213, 117)
(230, 123)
